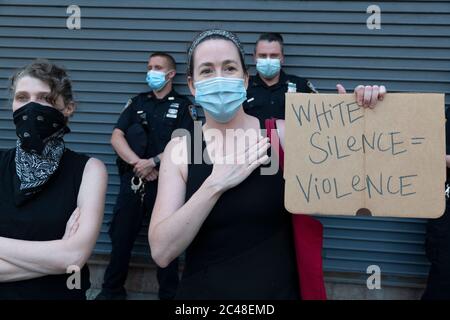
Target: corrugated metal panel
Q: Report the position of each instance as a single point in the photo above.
(326, 41)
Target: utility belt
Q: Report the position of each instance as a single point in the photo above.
(137, 139)
(123, 167)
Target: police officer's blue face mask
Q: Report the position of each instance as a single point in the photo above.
(268, 68)
(156, 80)
(220, 97)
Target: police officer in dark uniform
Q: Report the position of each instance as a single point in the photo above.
(437, 241)
(139, 138)
(266, 90)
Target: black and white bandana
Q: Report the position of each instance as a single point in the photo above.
(35, 170)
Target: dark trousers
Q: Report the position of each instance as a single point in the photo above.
(129, 215)
(437, 247)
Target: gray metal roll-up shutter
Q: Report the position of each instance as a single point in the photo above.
(325, 41)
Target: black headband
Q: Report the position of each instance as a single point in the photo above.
(211, 33)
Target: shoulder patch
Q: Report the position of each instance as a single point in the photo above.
(197, 113)
(311, 87)
(127, 104)
(193, 112)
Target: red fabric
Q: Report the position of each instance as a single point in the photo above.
(308, 238)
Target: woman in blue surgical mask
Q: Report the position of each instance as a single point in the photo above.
(228, 217)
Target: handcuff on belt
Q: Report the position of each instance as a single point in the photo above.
(138, 184)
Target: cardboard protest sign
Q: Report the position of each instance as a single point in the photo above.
(340, 157)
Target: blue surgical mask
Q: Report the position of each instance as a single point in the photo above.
(220, 97)
(156, 80)
(268, 68)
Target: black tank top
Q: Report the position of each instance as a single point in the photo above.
(244, 249)
(42, 218)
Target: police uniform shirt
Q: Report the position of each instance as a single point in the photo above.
(163, 117)
(447, 141)
(266, 102)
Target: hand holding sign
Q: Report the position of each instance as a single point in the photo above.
(341, 157)
(366, 96)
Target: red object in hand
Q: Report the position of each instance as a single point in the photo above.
(308, 238)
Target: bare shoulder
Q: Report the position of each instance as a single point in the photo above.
(177, 142)
(95, 168)
(93, 185)
(177, 150)
(176, 155)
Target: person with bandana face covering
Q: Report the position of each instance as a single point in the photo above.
(144, 128)
(219, 207)
(51, 198)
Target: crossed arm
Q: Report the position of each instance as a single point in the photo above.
(143, 168)
(22, 260)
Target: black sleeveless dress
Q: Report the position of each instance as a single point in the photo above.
(245, 248)
(42, 218)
